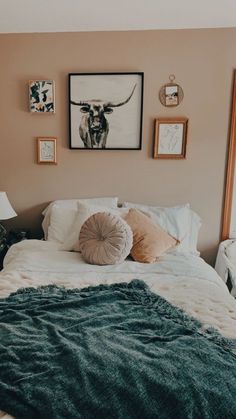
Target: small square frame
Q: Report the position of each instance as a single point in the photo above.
(47, 150)
(171, 94)
(170, 139)
(42, 96)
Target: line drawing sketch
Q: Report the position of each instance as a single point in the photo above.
(170, 138)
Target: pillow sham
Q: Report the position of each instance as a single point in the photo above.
(84, 211)
(180, 222)
(195, 225)
(105, 239)
(61, 220)
(71, 204)
(149, 240)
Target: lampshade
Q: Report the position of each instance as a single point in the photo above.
(6, 210)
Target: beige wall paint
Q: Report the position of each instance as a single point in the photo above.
(202, 61)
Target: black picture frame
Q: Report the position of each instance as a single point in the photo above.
(92, 96)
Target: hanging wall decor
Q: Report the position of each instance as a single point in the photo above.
(105, 111)
(171, 94)
(170, 138)
(47, 150)
(42, 96)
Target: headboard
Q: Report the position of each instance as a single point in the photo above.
(229, 214)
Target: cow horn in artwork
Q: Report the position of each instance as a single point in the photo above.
(115, 105)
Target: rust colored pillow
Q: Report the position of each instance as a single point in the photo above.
(149, 240)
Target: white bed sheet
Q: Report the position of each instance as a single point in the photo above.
(183, 279)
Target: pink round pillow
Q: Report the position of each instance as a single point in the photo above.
(105, 239)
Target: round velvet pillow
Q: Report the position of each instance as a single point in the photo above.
(105, 239)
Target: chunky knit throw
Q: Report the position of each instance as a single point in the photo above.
(111, 352)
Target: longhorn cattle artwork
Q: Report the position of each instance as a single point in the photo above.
(94, 126)
(114, 119)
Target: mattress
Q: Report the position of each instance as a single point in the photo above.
(184, 280)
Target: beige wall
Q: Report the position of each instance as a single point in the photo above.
(202, 61)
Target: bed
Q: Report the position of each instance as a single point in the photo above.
(182, 279)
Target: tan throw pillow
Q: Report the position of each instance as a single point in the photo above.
(105, 239)
(149, 240)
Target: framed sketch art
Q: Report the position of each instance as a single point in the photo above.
(42, 96)
(105, 111)
(47, 150)
(170, 138)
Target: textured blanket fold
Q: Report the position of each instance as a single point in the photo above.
(110, 351)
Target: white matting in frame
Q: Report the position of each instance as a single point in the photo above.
(105, 111)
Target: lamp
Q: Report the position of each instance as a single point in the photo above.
(6, 212)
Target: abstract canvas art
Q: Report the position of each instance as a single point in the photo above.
(105, 111)
(42, 96)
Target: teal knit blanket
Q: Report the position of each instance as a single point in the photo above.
(111, 352)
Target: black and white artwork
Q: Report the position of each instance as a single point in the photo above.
(105, 111)
(170, 138)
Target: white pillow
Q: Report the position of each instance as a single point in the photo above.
(61, 220)
(72, 205)
(195, 225)
(85, 211)
(180, 222)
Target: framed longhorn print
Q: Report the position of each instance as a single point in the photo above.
(105, 111)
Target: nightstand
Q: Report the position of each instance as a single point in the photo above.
(13, 237)
(3, 251)
(17, 235)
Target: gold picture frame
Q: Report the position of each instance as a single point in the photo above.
(47, 150)
(170, 141)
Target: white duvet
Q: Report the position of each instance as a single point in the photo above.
(183, 279)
